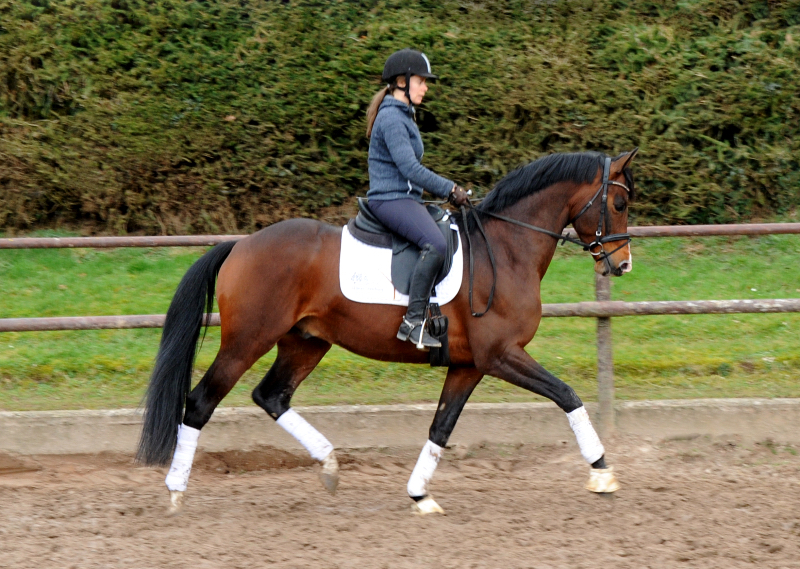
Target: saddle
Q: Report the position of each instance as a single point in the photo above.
(367, 228)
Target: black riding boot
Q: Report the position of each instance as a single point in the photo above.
(419, 293)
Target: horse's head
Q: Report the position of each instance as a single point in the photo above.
(599, 214)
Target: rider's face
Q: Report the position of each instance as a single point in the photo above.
(417, 88)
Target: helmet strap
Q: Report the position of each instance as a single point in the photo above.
(407, 90)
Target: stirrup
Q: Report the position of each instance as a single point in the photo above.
(408, 331)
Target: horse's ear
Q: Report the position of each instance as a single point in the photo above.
(623, 161)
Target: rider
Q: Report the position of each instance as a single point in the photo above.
(397, 179)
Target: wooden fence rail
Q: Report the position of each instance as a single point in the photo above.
(603, 308)
(207, 240)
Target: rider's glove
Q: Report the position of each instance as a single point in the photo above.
(458, 196)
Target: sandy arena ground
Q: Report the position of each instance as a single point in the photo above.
(688, 503)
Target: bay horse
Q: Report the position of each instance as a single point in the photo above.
(280, 286)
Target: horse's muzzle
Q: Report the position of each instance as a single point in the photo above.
(606, 268)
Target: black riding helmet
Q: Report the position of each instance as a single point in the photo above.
(407, 62)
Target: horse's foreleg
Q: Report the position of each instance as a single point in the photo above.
(458, 387)
(518, 368)
(297, 357)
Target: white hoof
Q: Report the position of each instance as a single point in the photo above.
(427, 506)
(175, 502)
(602, 481)
(329, 474)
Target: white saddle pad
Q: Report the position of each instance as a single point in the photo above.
(365, 274)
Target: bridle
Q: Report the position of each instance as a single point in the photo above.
(599, 239)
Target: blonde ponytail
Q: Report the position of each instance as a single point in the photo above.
(374, 105)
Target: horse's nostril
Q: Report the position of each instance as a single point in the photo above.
(625, 266)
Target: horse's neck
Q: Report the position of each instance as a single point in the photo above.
(547, 209)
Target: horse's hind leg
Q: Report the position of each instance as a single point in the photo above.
(297, 357)
(219, 379)
(457, 388)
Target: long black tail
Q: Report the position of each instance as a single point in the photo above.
(171, 380)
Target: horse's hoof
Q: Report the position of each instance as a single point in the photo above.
(175, 502)
(329, 474)
(602, 481)
(426, 506)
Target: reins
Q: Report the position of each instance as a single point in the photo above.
(599, 240)
(472, 261)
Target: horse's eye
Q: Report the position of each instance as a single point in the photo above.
(620, 204)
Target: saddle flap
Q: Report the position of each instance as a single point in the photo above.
(365, 274)
(405, 255)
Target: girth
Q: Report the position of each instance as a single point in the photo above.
(367, 228)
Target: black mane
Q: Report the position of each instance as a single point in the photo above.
(576, 167)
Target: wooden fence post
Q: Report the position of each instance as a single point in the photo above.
(606, 420)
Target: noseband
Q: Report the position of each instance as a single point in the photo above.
(599, 239)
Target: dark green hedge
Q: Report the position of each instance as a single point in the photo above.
(178, 116)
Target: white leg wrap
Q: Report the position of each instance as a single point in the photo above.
(178, 476)
(314, 442)
(591, 447)
(423, 471)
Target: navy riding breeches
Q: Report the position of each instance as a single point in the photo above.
(409, 218)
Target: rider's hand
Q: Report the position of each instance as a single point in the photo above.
(458, 196)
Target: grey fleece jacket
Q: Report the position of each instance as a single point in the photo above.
(395, 150)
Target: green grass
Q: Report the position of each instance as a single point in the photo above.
(656, 357)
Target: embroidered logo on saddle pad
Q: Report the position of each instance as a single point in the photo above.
(365, 274)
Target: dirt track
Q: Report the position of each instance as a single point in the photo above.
(683, 504)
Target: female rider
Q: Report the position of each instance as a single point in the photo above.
(396, 180)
